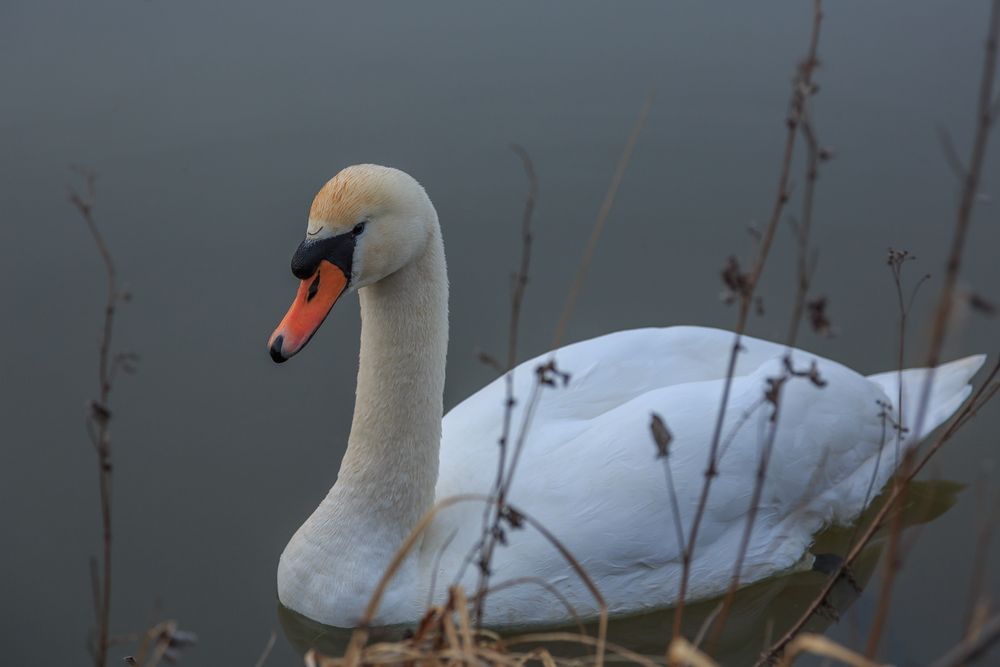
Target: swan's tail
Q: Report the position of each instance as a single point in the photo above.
(949, 390)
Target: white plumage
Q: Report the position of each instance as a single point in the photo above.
(588, 469)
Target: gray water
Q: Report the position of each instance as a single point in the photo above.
(211, 126)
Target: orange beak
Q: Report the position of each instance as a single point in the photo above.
(312, 304)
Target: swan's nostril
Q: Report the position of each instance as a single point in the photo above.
(276, 355)
(313, 288)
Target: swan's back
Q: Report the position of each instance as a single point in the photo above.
(589, 469)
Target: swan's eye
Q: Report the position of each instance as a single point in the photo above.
(358, 228)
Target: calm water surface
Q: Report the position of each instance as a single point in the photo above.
(212, 125)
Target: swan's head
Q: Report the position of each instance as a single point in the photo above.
(366, 223)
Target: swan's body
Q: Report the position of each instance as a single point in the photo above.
(588, 471)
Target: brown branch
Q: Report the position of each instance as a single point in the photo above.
(802, 86)
(602, 217)
(981, 560)
(893, 559)
(963, 218)
(100, 417)
(267, 650)
(360, 636)
(893, 564)
(972, 406)
(970, 188)
(972, 648)
(491, 528)
(814, 155)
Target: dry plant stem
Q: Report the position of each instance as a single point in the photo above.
(976, 581)
(549, 588)
(491, 527)
(506, 475)
(893, 564)
(682, 652)
(979, 398)
(100, 415)
(804, 278)
(267, 650)
(802, 85)
(821, 646)
(802, 232)
(893, 559)
(972, 648)
(602, 217)
(674, 505)
(577, 639)
(360, 636)
(970, 188)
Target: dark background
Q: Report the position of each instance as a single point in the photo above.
(211, 126)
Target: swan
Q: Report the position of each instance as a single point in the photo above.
(588, 471)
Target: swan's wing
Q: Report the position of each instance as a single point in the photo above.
(605, 372)
(589, 471)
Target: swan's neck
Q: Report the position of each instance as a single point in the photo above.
(389, 471)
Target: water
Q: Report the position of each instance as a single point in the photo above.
(211, 127)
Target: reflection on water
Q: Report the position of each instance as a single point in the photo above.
(760, 612)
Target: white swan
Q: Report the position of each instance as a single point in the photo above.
(588, 470)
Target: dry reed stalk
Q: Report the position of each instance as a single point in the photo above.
(972, 648)
(356, 645)
(970, 190)
(682, 652)
(804, 271)
(972, 406)
(491, 528)
(747, 286)
(544, 373)
(602, 218)
(980, 561)
(582, 639)
(267, 650)
(100, 415)
(549, 588)
(893, 563)
(162, 640)
(909, 469)
(893, 558)
(985, 117)
(161, 643)
(821, 646)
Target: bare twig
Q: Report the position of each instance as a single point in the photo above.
(805, 268)
(893, 559)
(360, 636)
(945, 304)
(802, 87)
(544, 374)
(981, 559)
(972, 648)
(267, 650)
(972, 406)
(491, 528)
(963, 216)
(602, 217)
(911, 466)
(662, 438)
(821, 646)
(99, 417)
